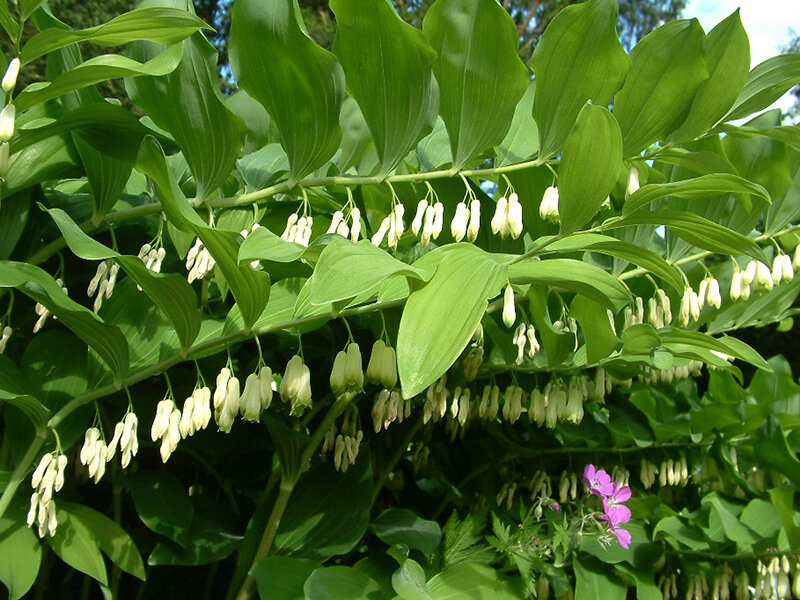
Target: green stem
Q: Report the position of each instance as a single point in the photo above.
(21, 470)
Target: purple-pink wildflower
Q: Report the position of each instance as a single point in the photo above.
(556, 507)
(612, 504)
(598, 482)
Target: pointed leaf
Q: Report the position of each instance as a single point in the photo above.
(766, 83)
(20, 557)
(13, 390)
(522, 140)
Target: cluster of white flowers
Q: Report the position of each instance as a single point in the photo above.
(8, 84)
(647, 473)
(382, 366)
(4, 337)
(659, 310)
(668, 584)
(673, 472)
(43, 312)
(773, 580)
(525, 335)
(652, 376)
(690, 307)
(633, 183)
(560, 402)
(46, 479)
(757, 276)
(339, 224)
(389, 407)
(708, 293)
(722, 582)
(548, 207)
(507, 219)
(196, 413)
(347, 370)
(506, 494)
(428, 221)
(621, 475)
(391, 228)
(152, 257)
(567, 487)
(257, 394)
(296, 385)
(348, 441)
(166, 427)
(226, 399)
(435, 405)
(95, 453)
(102, 284)
(697, 588)
(199, 261)
(541, 485)
(467, 221)
(298, 229)
(472, 361)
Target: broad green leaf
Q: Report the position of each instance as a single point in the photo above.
(788, 134)
(474, 581)
(107, 341)
(702, 162)
(262, 244)
(259, 130)
(457, 295)
(302, 92)
(14, 215)
(783, 499)
(766, 83)
(593, 582)
(155, 24)
(170, 292)
(694, 229)
(162, 503)
(207, 541)
(590, 166)
(109, 537)
(328, 512)
(335, 583)
(573, 276)
(51, 158)
(188, 103)
(727, 52)
(522, 140)
(725, 344)
(596, 328)
(762, 517)
(8, 22)
(249, 287)
(387, 64)
(20, 557)
(346, 270)
(699, 188)
(106, 176)
(75, 544)
(734, 529)
(409, 581)
(434, 150)
(401, 526)
(13, 390)
(637, 255)
(668, 66)
(773, 452)
(282, 577)
(578, 58)
(357, 143)
(481, 77)
(95, 70)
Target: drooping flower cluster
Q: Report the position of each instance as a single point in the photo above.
(548, 208)
(298, 229)
(389, 407)
(382, 367)
(339, 224)
(199, 261)
(345, 445)
(674, 472)
(257, 394)
(95, 453)
(296, 385)
(102, 284)
(757, 276)
(613, 494)
(525, 335)
(226, 399)
(773, 579)
(467, 221)
(347, 370)
(391, 228)
(153, 256)
(166, 427)
(43, 312)
(428, 221)
(196, 413)
(46, 479)
(507, 218)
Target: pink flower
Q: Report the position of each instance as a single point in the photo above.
(615, 511)
(556, 507)
(598, 482)
(623, 536)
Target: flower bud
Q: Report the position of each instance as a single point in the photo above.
(375, 365)
(112, 445)
(548, 208)
(509, 309)
(458, 226)
(296, 385)
(7, 117)
(787, 268)
(474, 220)
(416, 224)
(250, 404)
(354, 375)
(633, 183)
(438, 219)
(763, 276)
(337, 379)
(10, 78)
(777, 269)
(713, 297)
(499, 217)
(355, 224)
(377, 238)
(336, 219)
(514, 216)
(265, 387)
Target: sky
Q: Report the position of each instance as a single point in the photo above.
(767, 23)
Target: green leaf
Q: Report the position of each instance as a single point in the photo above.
(95, 70)
(481, 77)
(699, 188)
(335, 583)
(328, 512)
(162, 503)
(289, 446)
(107, 341)
(170, 292)
(773, 452)
(249, 287)
(734, 529)
(262, 244)
(401, 526)
(727, 52)
(207, 541)
(108, 536)
(188, 103)
(590, 165)
(14, 214)
(725, 344)
(457, 295)
(695, 229)
(52, 158)
(597, 331)
(668, 66)
(346, 270)
(13, 390)
(647, 259)
(302, 92)
(75, 544)
(20, 557)
(106, 176)
(387, 64)
(155, 24)
(282, 577)
(409, 581)
(593, 582)
(573, 276)
(766, 83)
(10, 25)
(522, 140)
(762, 517)
(578, 58)
(474, 581)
